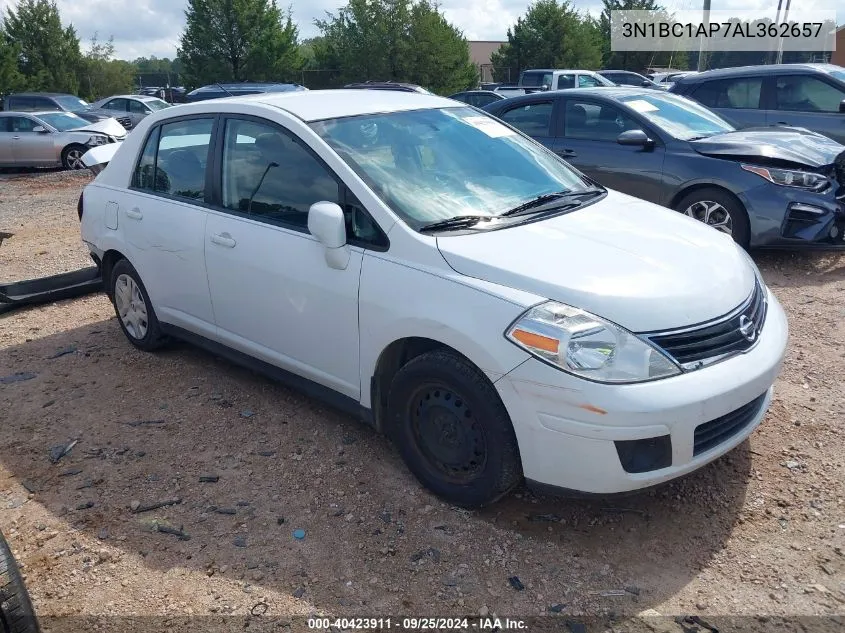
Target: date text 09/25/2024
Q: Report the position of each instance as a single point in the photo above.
(417, 624)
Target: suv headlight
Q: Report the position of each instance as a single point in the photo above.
(588, 346)
(790, 177)
(97, 139)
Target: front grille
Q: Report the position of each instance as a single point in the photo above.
(737, 332)
(125, 121)
(721, 429)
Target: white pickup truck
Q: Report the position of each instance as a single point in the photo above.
(535, 80)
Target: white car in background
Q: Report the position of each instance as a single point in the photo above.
(52, 139)
(131, 108)
(443, 277)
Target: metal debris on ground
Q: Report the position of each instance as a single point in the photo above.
(299, 592)
(607, 593)
(239, 541)
(516, 583)
(209, 479)
(85, 506)
(146, 507)
(228, 511)
(60, 450)
(17, 377)
(144, 422)
(163, 527)
(548, 518)
(247, 413)
(64, 351)
(557, 608)
(259, 609)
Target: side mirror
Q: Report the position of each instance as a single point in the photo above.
(646, 83)
(842, 106)
(40, 129)
(327, 223)
(545, 87)
(634, 138)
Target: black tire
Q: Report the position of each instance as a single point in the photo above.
(440, 403)
(71, 157)
(16, 612)
(740, 227)
(152, 338)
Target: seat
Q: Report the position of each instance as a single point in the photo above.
(576, 121)
(185, 174)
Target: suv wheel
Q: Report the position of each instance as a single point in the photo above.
(134, 309)
(452, 429)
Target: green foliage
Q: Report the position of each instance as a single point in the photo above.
(398, 40)
(551, 34)
(638, 61)
(11, 80)
(48, 54)
(238, 40)
(101, 75)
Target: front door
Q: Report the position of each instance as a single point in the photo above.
(163, 221)
(587, 138)
(808, 102)
(274, 296)
(31, 148)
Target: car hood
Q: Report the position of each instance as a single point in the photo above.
(795, 145)
(639, 265)
(108, 126)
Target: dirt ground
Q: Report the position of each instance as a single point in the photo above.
(243, 462)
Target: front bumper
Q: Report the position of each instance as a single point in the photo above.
(781, 216)
(568, 428)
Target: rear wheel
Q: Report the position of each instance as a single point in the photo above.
(718, 209)
(16, 612)
(134, 309)
(72, 157)
(452, 429)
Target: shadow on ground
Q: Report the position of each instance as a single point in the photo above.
(150, 426)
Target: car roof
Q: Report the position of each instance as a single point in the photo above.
(316, 105)
(739, 71)
(42, 94)
(38, 113)
(608, 92)
(139, 97)
(611, 70)
(239, 86)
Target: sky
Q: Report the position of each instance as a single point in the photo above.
(152, 27)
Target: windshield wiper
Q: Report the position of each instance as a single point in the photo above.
(549, 201)
(458, 222)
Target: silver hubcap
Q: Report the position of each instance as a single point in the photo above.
(74, 159)
(712, 214)
(131, 306)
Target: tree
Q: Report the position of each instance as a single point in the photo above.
(48, 54)
(101, 75)
(638, 61)
(398, 40)
(552, 34)
(10, 78)
(238, 40)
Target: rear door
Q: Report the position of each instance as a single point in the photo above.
(738, 99)
(163, 217)
(586, 134)
(808, 101)
(6, 157)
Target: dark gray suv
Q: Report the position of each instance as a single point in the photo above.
(809, 96)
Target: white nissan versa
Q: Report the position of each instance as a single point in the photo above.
(446, 278)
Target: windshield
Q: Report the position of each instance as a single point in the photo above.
(63, 121)
(535, 79)
(74, 104)
(680, 117)
(156, 104)
(434, 164)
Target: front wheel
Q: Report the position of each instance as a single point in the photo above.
(72, 157)
(16, 612)
(452, 429)
(719, 210)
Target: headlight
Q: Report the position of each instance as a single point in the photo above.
(583, 344)
(790, 177)
(97, 140)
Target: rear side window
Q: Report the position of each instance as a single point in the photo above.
(741, 93)
(43, 103)
(137, 107)
(174, 159)
(585, 81)
(533, 119)
(21, 104)
(116, 104)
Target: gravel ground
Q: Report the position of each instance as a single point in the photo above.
(243, 462)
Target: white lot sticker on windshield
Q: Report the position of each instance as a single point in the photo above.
(640, 105)
(490, 127)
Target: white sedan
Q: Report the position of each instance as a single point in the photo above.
(444, 278)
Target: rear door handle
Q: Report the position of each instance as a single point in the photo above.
(16, 138)
(781, 123)
(134, 214)
(566, 153)
(223, 239)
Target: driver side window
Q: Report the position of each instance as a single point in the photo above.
(22, 124)
(595, 122)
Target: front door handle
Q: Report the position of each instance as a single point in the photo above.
(134, 214)
(223, 239)
(781, 123)
(16, 138)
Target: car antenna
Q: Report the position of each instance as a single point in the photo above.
(224, 90)
(270, 166)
